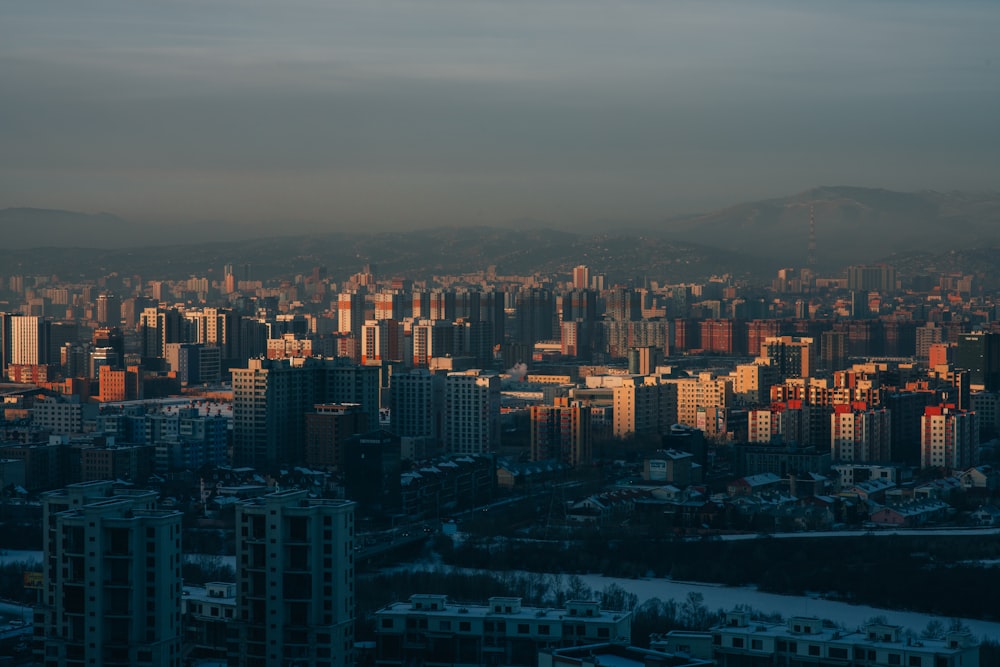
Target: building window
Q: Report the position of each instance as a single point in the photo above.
(522, 628)
(737, 642)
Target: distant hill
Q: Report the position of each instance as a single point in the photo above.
(36, 227)
(47, 228)
(852, 224)
(418, 254)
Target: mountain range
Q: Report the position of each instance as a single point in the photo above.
(851, 225)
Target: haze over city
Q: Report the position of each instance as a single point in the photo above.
(499, 333)
(326, 115)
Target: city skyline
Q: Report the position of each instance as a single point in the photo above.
(400, 115)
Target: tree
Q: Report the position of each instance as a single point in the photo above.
(694, 613)
(957, 625)
(617, 598)
(934, 629)
(576, 589)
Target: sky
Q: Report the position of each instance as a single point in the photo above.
(391, 114)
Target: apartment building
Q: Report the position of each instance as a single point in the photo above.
(430, 629)
(295, 579)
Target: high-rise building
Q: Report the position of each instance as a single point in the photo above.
(214, 327)
(351, 313)
(534, 311)
(879, 278)
(561, 432)
(372, 469)
(581, 277)
(272, 396)
(109, 310)
(381, 340)
(759, 330)
(860, 434)
(29, 340)
(791, 356)
(833, 350)
(472, 412)
(473, 339)
(327, 427)
(637, 407)
(906, 408)
(752, 382)
(703, 391)
(119, 385)
(6, 325)
(111, 337)
(194, 363)
(979, 353)
(416, 401)
(295, 579)
(112, 579)
(157, 328)
(391, 306)
(431, 338)
(643, 360)
(949, 438)
(724, 336)
(623, 304)
(442, 305)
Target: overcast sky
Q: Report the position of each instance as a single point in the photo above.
(418, 112)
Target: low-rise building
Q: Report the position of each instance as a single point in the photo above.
(808, 642)
(430, 629)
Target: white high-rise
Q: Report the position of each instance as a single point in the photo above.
(29, 338)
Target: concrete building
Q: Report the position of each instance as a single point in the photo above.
(29, 340)
(194, 363)
(698, 393)
(471, 412)
(295, 578)
(209, 614)
(752, 382)
(561, 432)
(272, 396)
(949, 438)
(381, 340)
(979, 354)
(120, 385)
(112, 579)
(351, 313)
(431, 630)
(60, 415)
(416, 401)
(860, 434)
(791, 356)
(617, 654)
(637, 407)
(372, 468)
(806, 642)
(328, 425)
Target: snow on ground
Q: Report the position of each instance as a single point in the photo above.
(8, 556)
(726, 597)
(874, 532)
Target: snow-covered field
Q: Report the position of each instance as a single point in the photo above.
(726, 597)
(715, 597)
